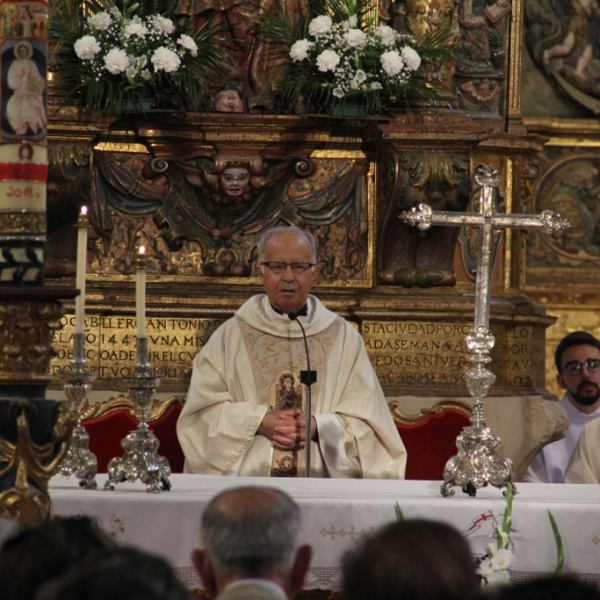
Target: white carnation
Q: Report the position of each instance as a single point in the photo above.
(355, 38)
(338, 92)
(328, 60)
(299, 50)
(101, 21)
(116, 61)
(134, 28)
(320, 25)
(411, 58)
(386, 35)
(87, 47)
(391, 62)
(165, 60)
(162, 24)
(188, 43)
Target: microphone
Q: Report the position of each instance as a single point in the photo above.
(307, 377)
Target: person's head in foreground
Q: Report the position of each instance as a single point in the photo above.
(411, 560)
(33, 556)
(119, 574)
(251, 533)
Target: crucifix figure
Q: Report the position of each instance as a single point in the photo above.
(478, 462)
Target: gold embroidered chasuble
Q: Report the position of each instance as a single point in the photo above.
(252, 364)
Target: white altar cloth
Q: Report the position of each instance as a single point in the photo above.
(337, 512)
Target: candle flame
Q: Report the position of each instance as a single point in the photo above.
(142, 250)
(84, 210)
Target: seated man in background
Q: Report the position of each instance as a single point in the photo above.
(577, 360)
(415, 559)
(240, 418)
(249, 536)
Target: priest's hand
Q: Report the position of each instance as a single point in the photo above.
(285, 428)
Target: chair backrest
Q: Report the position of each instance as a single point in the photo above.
(430, 436)
(107, 423)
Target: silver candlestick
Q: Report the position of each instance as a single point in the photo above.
(140, 460)
(79, 461)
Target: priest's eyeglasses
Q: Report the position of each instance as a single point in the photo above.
(278, 268)
(574, 367)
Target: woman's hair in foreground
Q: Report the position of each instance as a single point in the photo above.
(411, 560)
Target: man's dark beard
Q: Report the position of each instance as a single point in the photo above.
(586, 400)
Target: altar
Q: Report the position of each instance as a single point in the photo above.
(336, 513)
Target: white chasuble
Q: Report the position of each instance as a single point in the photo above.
(252, 365)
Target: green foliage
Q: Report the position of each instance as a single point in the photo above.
(560, 552)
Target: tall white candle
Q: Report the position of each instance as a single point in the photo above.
(140, 292)
(83, 223)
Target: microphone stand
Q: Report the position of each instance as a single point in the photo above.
(307, 377)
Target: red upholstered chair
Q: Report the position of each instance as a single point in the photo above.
(430, 436)
(107, 423)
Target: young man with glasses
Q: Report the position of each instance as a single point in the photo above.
(577, 360)
(232, 422)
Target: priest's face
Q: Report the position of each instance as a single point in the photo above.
(288, 290)
(583, 386)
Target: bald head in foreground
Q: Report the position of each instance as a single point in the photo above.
(249, 537)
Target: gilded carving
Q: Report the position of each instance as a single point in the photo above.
(20, 223)
(26, 332)
(204, 213)
(410, 257)
(30, 465)
(569, 185)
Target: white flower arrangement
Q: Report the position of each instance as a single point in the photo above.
(358, 61)
(337, 51)
(116, 51)
(133, 49)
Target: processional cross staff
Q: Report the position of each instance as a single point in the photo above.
(478, 462)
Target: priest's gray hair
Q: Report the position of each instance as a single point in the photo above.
(307, 235)
(250, 531)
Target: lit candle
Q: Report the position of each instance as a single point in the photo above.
(83, 223)
(140, 292)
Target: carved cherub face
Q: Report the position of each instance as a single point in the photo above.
(235, 181)
(229, 101)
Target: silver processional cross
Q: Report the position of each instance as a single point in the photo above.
(478, 462)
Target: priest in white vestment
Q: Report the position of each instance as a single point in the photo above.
(577, 360)
(244, 413)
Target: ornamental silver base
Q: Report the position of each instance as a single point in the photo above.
(478, 462)
(79, 461)
(140, 461)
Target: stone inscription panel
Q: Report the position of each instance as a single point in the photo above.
(110, 347)
(435, 354)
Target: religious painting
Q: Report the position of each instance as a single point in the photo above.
(23, 90)
(289, 395)
(561, 63)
